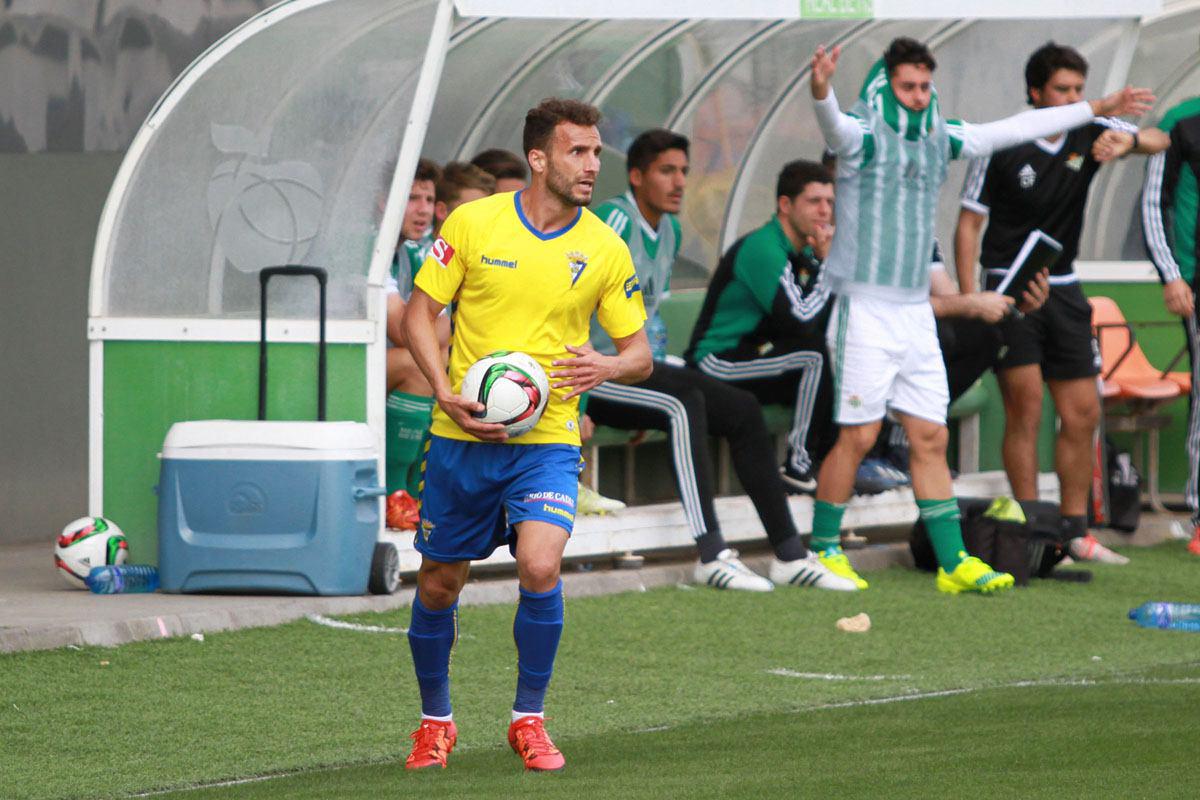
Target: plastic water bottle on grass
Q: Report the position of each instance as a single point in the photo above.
(122, 579)
(1172, 616)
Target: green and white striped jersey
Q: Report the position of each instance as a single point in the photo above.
(892, 162)
(653, 251)
(408, 260)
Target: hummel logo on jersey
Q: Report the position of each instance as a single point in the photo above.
(498, 262)
(1027, 177)
(442, 252)
(1075, 162)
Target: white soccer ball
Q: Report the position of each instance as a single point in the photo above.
(512, 387)
(85, 543)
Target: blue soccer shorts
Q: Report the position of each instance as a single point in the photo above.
(475, 493)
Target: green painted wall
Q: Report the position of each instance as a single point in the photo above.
(148, 386)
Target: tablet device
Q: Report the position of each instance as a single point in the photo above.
(1039, 252)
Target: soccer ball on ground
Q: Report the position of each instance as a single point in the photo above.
(85, 543)
(512, 387)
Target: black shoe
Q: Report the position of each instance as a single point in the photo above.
(798, 482)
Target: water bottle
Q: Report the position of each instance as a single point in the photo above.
(1175, 616)
(656, 332)
(123, 578)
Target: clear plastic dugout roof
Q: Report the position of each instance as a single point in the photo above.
(273, 148)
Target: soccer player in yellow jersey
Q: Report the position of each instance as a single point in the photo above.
(526, 271)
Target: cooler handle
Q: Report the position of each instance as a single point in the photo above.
(363, 492)
(264, 276)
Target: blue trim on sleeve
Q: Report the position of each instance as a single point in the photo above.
(543, 236)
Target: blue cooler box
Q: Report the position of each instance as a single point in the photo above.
(289, 507)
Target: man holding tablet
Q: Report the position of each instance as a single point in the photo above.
(1039, 189)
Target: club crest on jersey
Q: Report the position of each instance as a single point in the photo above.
(577, 262)
(442, 252)
(1075, 162)
(1026, 177)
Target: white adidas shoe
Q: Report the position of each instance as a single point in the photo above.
(809, 571)
(727, 571)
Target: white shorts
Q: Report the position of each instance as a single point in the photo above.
(885, 355)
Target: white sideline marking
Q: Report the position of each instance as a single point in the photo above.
(352, 626)
(341, 625)
(830, 676)
(217, 785)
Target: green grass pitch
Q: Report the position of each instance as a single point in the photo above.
(1044, 692)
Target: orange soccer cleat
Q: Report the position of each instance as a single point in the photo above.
(530, 741)
(1194, 544)
(432, 743)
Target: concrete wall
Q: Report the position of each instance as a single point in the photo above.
(49, 209)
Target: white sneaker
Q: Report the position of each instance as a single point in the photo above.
(809, 571)
(591, 503)
(727, 571)
(1088, 548)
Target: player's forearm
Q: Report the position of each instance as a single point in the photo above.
(1151, 141)
(966, 250)
(421, 334)
(633, 362)
(952, 305)
(842, 133)
(395, 320)
(984, 139)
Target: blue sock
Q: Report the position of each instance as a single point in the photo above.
(431, 635)
(536, 629)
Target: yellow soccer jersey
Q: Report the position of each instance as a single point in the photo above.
(515, 288)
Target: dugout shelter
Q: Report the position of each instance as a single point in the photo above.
(293, 139)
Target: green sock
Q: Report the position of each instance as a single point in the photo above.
(827, 526)
(941, 518)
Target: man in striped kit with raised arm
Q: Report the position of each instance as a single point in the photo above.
(893, 157)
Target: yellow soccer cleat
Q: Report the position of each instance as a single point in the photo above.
(836, 562)
(972, 575)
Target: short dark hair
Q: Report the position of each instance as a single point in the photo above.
(796, 175)
(458, 176)
(427, 170)
(542, 119)
(905, 50)
(647, 147)
(502, 164)
(1048, 59)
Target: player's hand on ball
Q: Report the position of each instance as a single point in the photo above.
(587, 370)
(463, 412)
(1178, 298)
(1112, 145)
(991, 306)
(1036, 293)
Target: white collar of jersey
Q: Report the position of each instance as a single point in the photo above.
(1051, 147)
(642, 223)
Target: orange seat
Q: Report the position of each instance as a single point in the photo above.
(1181, 379)
(1124, 363)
